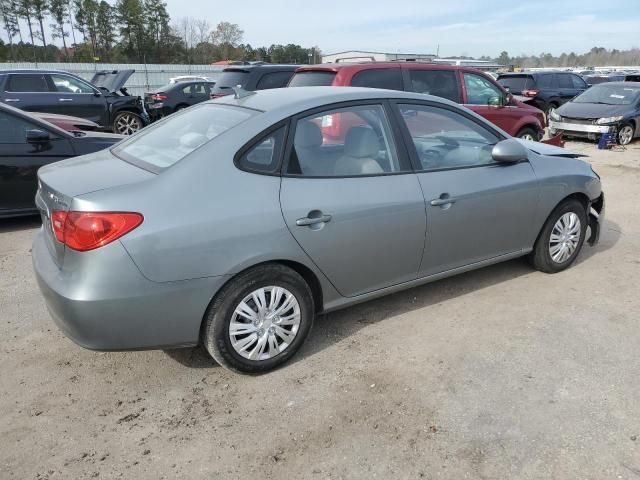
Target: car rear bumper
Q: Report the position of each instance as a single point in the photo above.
(120, 309)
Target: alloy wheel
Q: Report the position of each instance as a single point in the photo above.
(565, 237)
(264, 323)
(127, 124)
(625, 135)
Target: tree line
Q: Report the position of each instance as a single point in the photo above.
(596, 57)
(129, 31)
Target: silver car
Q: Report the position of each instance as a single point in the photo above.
(234, 223)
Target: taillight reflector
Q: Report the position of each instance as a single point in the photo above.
(85, 231)
(529, 93)
(159, 97)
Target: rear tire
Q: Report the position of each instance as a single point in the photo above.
(259, 320)
(557, 246)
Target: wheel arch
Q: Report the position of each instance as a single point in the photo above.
(581, 197)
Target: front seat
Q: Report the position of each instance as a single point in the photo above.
(361, 147)
(307, 143)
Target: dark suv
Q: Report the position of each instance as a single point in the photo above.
(253, 77)
(544, 90)
(468, 86)
(104, 100)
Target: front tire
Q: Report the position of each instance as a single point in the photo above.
(625, 134)
(259, 319)
(528, 133)
(127, 123)
(561, 238)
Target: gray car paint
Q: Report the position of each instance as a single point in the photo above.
(205, 220)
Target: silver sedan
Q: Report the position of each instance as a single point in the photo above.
(234, 223)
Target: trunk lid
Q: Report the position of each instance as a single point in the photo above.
(60, 182)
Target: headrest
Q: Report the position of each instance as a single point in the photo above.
(361, 142)
(308, 135)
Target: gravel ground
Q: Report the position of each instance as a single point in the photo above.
(501, 373)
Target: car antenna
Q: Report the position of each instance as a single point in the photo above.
(240, 92)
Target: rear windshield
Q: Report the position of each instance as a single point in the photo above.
(312, 79)
(516, 84)
(231, 78)
(162, 145)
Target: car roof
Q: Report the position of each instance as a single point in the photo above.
(357, 66)
(261, 66)
(36, 70)
(289, 101)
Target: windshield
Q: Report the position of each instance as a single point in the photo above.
(231, 78)
(610, 94)
(167, 142)
(516, 84)
(312, 79)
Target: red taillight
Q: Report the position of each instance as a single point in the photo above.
(90, 230)
(159, 97)
(218, 95)
(529, 93)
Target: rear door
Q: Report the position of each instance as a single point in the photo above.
(476, 208)
(354, 206)
(19, 160)
(29, 91)
(77, 98)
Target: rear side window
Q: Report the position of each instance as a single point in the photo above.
(441, 83)
(264, 156)
(545, 81)
(389, 78)
(312, 79)
(273, 80)
(27, 83)
(168, 142)
(516, 84)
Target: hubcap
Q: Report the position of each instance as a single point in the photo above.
(264, 323)
(565, 237)
(527, 136)
(625, 135)
(127, 124)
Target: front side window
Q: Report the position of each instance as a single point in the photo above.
(167, 142)
(32, 83)
(351, 141)
(441, 83)
(578, 82)
(481, 91)
(389, 78)
(264, 156)
(66, 84)
(13, 130)
(444, 139)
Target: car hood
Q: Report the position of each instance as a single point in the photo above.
(591, 110)
(111, 80)
(549, 150)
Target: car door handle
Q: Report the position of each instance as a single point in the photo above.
(12, 100)
(65, 99)
(313, 220)
(444, 199)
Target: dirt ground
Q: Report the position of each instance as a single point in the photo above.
(501, 373)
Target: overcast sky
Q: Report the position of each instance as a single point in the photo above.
(472, 27)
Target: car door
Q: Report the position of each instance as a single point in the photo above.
(566, 87)
(354, 205)
(20, 160)
(488, 100)
(77, 98)
(30, 92)
(476, 208)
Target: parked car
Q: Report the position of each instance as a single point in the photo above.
(467, 86)
(176, 96)
(544, 90)
(259, 76)
(26, 143)
(104, 100)
(152, 244)
(612, 107)
(68, 123)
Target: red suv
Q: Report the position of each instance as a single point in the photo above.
(463, 85)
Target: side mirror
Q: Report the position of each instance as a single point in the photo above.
(37, 136)
(509, 151)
